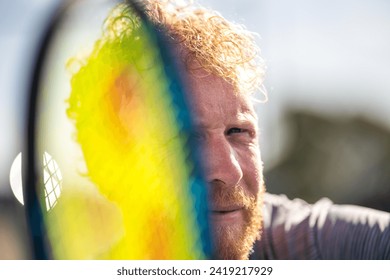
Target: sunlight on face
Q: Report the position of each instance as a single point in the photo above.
(226, 128)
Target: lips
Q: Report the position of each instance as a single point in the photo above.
(226, 209)
(226, 214)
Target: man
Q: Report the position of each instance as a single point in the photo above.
(220, 52)
(222, 68)
(227, 127)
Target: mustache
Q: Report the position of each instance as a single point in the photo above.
(221, 195)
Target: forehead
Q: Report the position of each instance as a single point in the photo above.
(211, 96)
(212, 99)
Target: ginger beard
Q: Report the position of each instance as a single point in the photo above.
(235, 241)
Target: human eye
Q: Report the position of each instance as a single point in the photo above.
(241, 134)
(235, 130)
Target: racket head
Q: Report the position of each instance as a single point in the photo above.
(112, 172)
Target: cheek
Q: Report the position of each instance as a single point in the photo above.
(252, 168)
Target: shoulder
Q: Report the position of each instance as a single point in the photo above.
(295, 229)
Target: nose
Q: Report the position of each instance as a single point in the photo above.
(221, 162)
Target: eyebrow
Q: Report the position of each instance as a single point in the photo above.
(247, 116)
(240, 119)
(247, 123)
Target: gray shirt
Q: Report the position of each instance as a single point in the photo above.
(294, 229)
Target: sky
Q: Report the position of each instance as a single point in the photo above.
(326, 56)
(330, 57)
(21, 24)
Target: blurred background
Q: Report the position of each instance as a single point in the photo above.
(325, 130)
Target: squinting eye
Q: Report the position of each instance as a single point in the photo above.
(235, 130)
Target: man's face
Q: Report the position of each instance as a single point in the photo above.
(226, 126)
